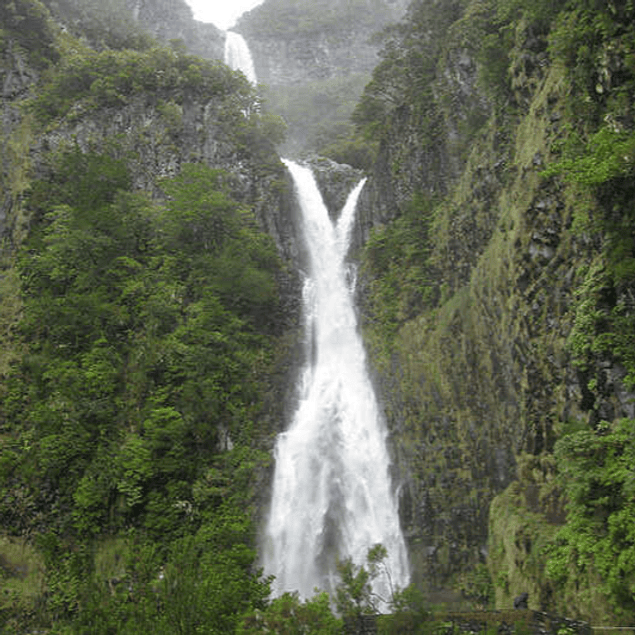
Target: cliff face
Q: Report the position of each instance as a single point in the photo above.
(169, 20)
(297, 58)
(313, 59)
(485, 375)
(27, 49)
(480, 372)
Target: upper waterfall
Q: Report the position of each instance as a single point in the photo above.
(332, 497)
(238, 56)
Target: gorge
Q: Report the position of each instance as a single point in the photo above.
(152, 303)
(332, 497)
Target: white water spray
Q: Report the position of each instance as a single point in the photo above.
(332, 496)
(238, 57)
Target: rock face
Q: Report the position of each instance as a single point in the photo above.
(299, 59)
(478, 385)
(173, 19)
(335, 181)
(295, 42)
(17, 76)
(471, 383)
(313, 59)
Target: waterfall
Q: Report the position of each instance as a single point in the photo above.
(332, 496)
(237, 55)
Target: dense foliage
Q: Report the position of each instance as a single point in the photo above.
(404, 76)
(86, 79)
(142, 332)
(396, 260)
(597, 543)
(132, 413)
(30, 27)
(596, 43)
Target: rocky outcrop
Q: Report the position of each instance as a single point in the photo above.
(300, 59)
(335, 181)
(173, 20)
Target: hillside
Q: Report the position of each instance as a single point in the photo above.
(313, 60)
(150, 304)
(146, 324)
(498, 295)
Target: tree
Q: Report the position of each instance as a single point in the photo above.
(354, 595)
(288, 615)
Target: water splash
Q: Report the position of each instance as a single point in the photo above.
(332, 496)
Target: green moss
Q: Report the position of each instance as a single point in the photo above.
(517, 538)
(10, 311)
(21, 579)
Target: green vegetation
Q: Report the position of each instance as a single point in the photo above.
(597, 543)
(500, 309)
(524, 521)
(105, 24)
(139, 331)
(87, 79)
(28, 25)
(145, 331)
(288, 615)
(303, 18)
(396, 259)
(137, 338)
(404, 76)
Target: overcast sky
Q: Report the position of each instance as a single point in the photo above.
(221, 13)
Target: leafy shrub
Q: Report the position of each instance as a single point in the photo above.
(146, 332)
(596, 468)
(110, 78)
(288, 615)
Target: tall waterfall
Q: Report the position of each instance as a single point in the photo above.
(238, 57)
(332, 495)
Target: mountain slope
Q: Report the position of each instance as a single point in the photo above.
(313, 60)
(147, 321)
(497, 295)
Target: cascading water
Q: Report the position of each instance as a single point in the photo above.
(332, 496)
(237, 55)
